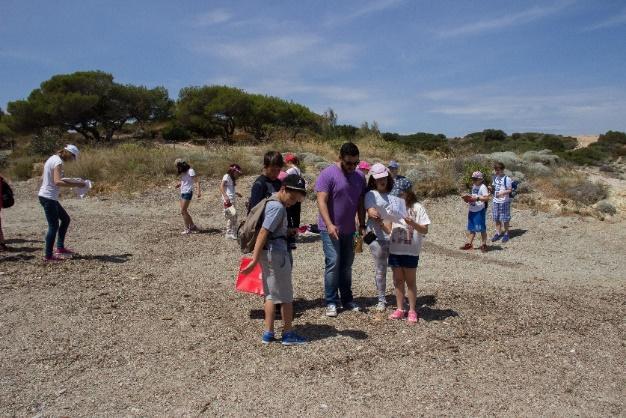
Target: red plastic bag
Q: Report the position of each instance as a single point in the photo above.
(251, 282)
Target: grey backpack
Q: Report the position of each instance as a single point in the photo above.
(249, 228)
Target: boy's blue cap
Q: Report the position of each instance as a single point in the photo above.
(393, 164)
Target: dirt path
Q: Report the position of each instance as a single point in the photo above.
(146, 322)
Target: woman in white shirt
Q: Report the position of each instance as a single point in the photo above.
(51, 182)
(378, 206)
(188, 179)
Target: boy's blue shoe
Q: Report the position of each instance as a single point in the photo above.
(291, 338)
(496, 237)
(268, 337)
(505, 237)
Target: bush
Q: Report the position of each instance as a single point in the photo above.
(175, 133)
(46, 142)
(572, 185)
(586, 156)
(22, 168)
(470, 167)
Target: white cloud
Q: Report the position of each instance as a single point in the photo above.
(213, 17)
(504, 21)
(612, 21)
(282, 53)
(364, 10)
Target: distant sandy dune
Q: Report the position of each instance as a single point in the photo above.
(585, 140)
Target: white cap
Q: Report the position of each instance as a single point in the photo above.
(73, 149)
(378, 171)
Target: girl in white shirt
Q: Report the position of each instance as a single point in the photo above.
(404, 248)
(188, 179)
(229, 196)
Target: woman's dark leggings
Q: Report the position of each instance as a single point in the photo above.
(54, 213)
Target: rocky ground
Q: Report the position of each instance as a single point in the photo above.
(146, 322)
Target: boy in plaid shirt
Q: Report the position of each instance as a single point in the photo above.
(501, 210)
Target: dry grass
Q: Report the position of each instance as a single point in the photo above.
(134, 167)
(567, 184)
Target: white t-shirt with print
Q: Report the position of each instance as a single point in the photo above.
(186, 181)
(48, 189)
(229, 188)
(478, 191)
(499, 185)
(405, 240)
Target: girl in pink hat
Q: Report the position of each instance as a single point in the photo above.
(364, 167)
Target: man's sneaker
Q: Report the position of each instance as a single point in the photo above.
(496, 237)
(412, 317)
(268, 337)
(331, 310)
(63, 251)
(505, 237)
(53, 259)
(397, 314)
(351, 306)
(291, 338)
(231, 236)
(381, 306)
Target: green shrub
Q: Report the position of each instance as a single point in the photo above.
(22, 168)
(46, 142)
(586, 156)
(175, 133)
(470, 167)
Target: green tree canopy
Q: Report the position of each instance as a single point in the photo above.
(90, 103)
(200, 110)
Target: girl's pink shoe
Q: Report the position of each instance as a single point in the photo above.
(397, 314)
(63, 251)
(413, 316)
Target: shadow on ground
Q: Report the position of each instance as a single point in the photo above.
(18, 257)
(112, 258)
(514, 233)
(315, 332)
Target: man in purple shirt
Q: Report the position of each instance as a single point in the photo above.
(340, 190)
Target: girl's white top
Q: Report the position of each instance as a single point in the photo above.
(405, 240)
(293, 170)
(48, 189)
(229, 188)
(186, 181)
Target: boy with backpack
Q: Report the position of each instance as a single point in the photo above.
(501, 211)
(266, 228)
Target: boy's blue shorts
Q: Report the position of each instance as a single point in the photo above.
(186, 196)
(476, 221)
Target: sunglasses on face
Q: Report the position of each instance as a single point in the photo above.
(351, 163)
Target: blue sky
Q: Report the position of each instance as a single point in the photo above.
(450, 67)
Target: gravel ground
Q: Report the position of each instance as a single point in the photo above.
(146, 322)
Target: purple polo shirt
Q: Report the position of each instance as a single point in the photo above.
(344, 193)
